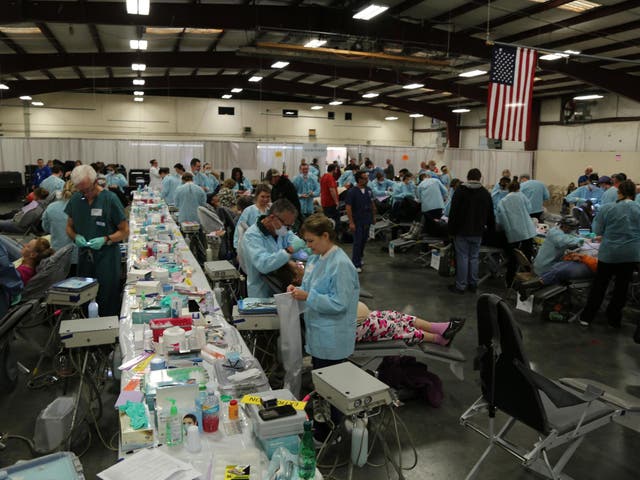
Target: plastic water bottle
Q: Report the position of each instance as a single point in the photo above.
(210, 410)
(93, 309)
(307, 454)
(209, 253)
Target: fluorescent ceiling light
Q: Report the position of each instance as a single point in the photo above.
(138, 67)
(578, 6)
(279, 64)
(390, 118)
(413, 86)
(138, 99)
(371, 11)
(255, 79)
(315, 43)
(460, 110)
(236, 90)
(21, 30)
(138, 93)
(138, 7)
(335, 102)
(370, 95)
(416, 115)
(227, 96)
(163, 30)
(572, 52)
(138, 44)
(3, 86)
(25, 97)
(37, 104)
(317, 107)
(203, 31)
(554, 56)
(138, 81)
(514, 105)
(472, 73)
(594, 96)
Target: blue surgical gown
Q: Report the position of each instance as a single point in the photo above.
(263, 254)
(553, 248)
(536, 192)
(609, 196)
(311, 188)
(202, 180)
(212, 182)
(446, 180)
(586, 192)
(381, 189)
(513, 216)
(331, 307)
(169, 185)
(619, 225)
(447, 205)
(403, 190)
(249, 216)
(189, 197)
(52, 184)
(347, 177)
(246, 185)
(496, 196)
(315, 172)
(432, 194)
(54, 221)
(116, 180)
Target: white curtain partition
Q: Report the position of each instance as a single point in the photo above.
(254, 158)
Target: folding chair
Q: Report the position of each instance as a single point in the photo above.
(560, 414)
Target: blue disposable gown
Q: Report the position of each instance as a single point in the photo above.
(432, 194)
(403, 190)
(331, 307)
(553, 248)
(347, 177)
(496, 196)
(513, 216)
(586, 192)
(315, 172)
(263, 254)
(249, 215)
(189, 197)
(52, 184)
(202, 180)
(536, 192)
(212, 182)
(246, 184)
(447, 205)
(381, 189)
(309, 186)
(169, 185)
(609, 196)
(116, 180)
(446, 180)
(54, 221)
(619, 225)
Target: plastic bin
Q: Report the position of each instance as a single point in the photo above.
(53, 424)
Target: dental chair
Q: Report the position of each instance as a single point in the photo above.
(51, 270)
(560, 412)
(8, 325)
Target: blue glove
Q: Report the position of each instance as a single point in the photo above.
(81, 241)
(96, 243)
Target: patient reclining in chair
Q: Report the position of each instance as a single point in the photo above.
(380, 325)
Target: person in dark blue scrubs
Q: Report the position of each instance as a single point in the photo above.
(362, 213)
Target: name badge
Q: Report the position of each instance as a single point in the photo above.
(96, 212)
(101, 224)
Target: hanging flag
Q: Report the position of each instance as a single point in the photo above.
(510, 92)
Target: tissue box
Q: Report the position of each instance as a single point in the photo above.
(132, 439)
(146, 315)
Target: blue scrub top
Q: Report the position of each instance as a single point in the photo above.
(619, 225)
(310, 186)
(553, 248)
(331, 308)
(189, 197)
(432, 194)
(249, 215)
(361, 205)
(536, 192)
(169, 185)
(54, 221)
(513, 216)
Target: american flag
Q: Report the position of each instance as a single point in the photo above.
(510, 92)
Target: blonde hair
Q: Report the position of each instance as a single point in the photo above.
(229, 183)
(317, 224)
(68, 190)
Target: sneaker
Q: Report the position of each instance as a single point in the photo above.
(454, 289)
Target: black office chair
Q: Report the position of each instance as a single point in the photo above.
(8, 325)
(583, 218)
(559, 414)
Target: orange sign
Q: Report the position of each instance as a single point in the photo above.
(405, 157)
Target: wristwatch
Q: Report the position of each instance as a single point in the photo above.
(108, 242)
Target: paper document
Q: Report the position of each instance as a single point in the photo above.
(151, 464)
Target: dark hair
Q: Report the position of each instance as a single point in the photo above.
(56, 169)
(235, 170)
(192, 417)
(40, 193)
(331, 167)
(164, 170)
(152, 160)
(318, 224)
(505, 180)
(360, 174)
(454, 183)
(243, 202)
(621, 177)
(368, 163)
(627, 189)
(194, 161)
(282, 206)
(474, 174)
(43, 249)
(187, 177)
(179, 166)
(514, 186)
(262, 188)
(594, 177)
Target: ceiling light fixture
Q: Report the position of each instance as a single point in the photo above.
(138, 93)
(138, 99)
(138, 67)
(279, 64)
(413, 86)
(26, 98)
(255, 79)
(472, 73)
(138, 81)
(3, 86)
(514, 105)
(317, 107)
(460, 110)
(227, 96)
(416, 115)
(163, 30)
(138, 7)
(554, 56)
(203, 31)
(37, 104)
(391, 118)
(577, 6)
(236, 90)
(593, 96)
(572, 52)
(315, 43)
(138, 44)
(335, 103)
(21, 30)
(370, 95)
(370, 11)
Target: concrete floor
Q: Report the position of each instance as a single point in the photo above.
(445, 449)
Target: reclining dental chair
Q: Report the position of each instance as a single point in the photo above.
(561, 413)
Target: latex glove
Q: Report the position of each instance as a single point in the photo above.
(81, 241)
(96, 243)
(16, 299)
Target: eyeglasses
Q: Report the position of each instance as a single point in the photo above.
(283, 222)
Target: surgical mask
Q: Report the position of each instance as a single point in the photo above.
(282, 231)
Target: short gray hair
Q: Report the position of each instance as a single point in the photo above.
(82, 172)
(281, 206)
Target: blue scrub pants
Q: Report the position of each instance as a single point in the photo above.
(564, 271)
(467, 259)
(360, 237)
(606, 271)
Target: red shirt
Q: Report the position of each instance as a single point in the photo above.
(327, 182)
(26, 273)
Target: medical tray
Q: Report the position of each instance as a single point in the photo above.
(62, 465)
(281, 427)
(257, 306)
(73, 291)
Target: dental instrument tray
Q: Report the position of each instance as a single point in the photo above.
(73, 291)
(237, 382)
(257, 306)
